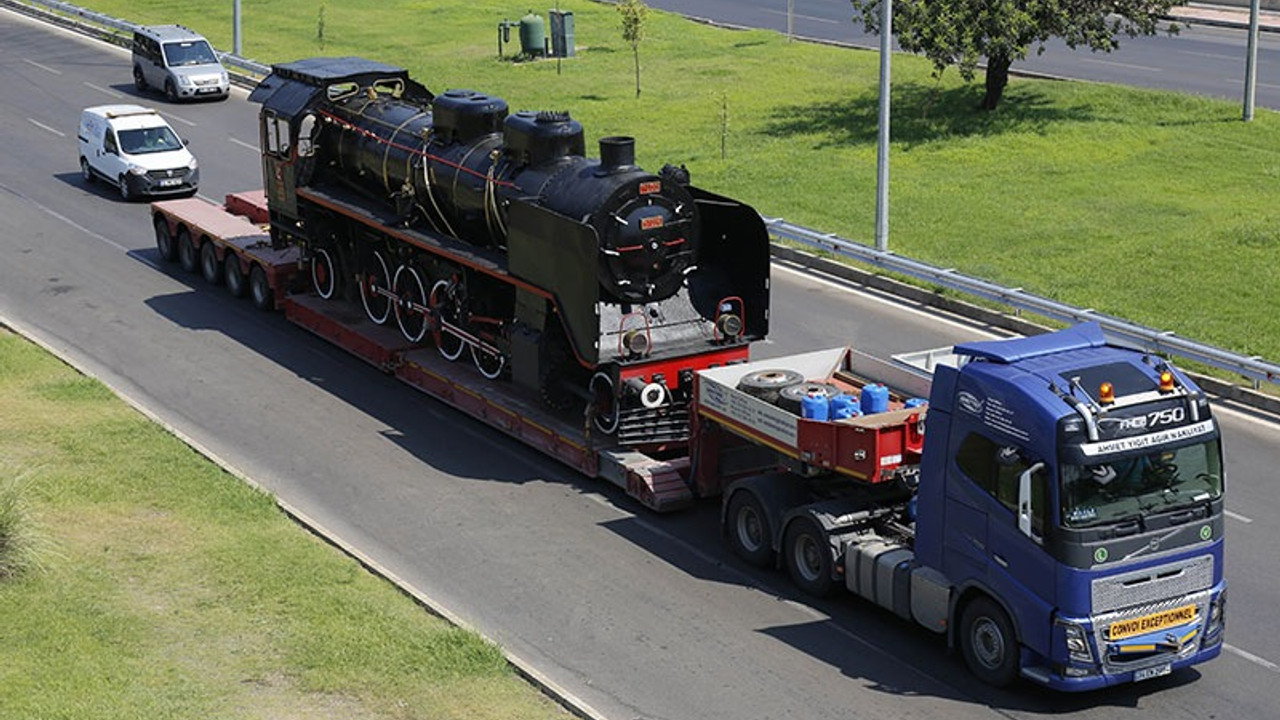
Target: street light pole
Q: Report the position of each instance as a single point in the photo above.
(882, 151)
(1251, 61)
(235, 29)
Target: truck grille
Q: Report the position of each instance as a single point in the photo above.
(1142, 587)
(1117, 658)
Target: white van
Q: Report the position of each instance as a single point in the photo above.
(180, 62)
(133, 148)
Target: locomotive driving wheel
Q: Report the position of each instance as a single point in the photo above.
(375, 288)
(411, 308)
(447, 311)
(324, 272)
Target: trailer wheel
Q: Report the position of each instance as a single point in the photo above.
(164, 240)
(187, 256)
(260, 289)
(236, 284)
(209, 265)
(808, 556)
(988, 643)
(750, 536)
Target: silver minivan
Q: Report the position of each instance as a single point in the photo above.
(178, 61)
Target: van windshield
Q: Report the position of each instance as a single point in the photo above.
(191, 52)
(148, 140)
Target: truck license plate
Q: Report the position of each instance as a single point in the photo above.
(1152, 672)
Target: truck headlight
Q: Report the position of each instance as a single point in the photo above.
(1078, 649)
(1217, 620)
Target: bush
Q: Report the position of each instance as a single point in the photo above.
(21, 542)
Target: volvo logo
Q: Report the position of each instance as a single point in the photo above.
(969, 402)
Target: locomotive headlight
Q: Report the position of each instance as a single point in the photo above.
(636, 342)
(729, 325)
(653, 395)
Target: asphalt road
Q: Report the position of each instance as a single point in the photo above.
(637, 615)
(1200, 59)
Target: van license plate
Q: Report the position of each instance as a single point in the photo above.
(170, 182)
(1152, 672)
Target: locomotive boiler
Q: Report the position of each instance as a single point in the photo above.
(594, 283)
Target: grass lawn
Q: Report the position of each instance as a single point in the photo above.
(1153, 206)
(171, 589)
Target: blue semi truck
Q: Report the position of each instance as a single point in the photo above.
(1055, 508)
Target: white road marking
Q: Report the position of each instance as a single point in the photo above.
(1216, 56)
(1124, 65)
(1237, 516)
(242, 143)
(1240, 81)
(108, 91)
(182, 120)
(42, 67)
(42, 126)
(1252, 658)
(798, 16)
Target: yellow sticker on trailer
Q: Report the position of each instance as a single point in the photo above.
(1151, 623)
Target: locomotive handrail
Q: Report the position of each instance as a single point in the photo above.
(1253, 367)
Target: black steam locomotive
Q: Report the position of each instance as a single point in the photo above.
(490, 232)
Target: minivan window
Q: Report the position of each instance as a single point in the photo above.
(149, 140)
(192, 52)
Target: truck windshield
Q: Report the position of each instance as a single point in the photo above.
(148, 140)
(1140, 484)
(189, 53)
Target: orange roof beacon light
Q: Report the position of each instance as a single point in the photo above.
(1107, 394)
(1166, 381)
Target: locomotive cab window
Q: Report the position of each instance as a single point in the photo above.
(306, 136)
(276, 130)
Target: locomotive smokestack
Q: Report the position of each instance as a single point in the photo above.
(617, 152)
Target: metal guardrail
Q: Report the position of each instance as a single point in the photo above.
(1157, 341)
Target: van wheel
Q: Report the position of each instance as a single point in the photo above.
(170, 91)
(139, 80)
(125, 193)
(85, 171)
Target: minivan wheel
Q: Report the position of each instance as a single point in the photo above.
(85, 171)
(170, 91)
(139, 80)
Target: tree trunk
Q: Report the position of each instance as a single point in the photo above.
(997, 79)
(636, 51)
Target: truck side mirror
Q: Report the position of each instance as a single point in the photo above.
(1024, 499)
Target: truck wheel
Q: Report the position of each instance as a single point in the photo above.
(988, 643)
(260, 289)
(187, 256)
(209, 265)
(139, 80)
(164, 240)
(86, 172)
(808, 557)
(750, 536)
(236, 284)
(170, 91)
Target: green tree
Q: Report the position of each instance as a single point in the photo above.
(962, 32)
(634, 14)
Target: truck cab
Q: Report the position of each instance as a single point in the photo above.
(1055, 508)
(1082, 490)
